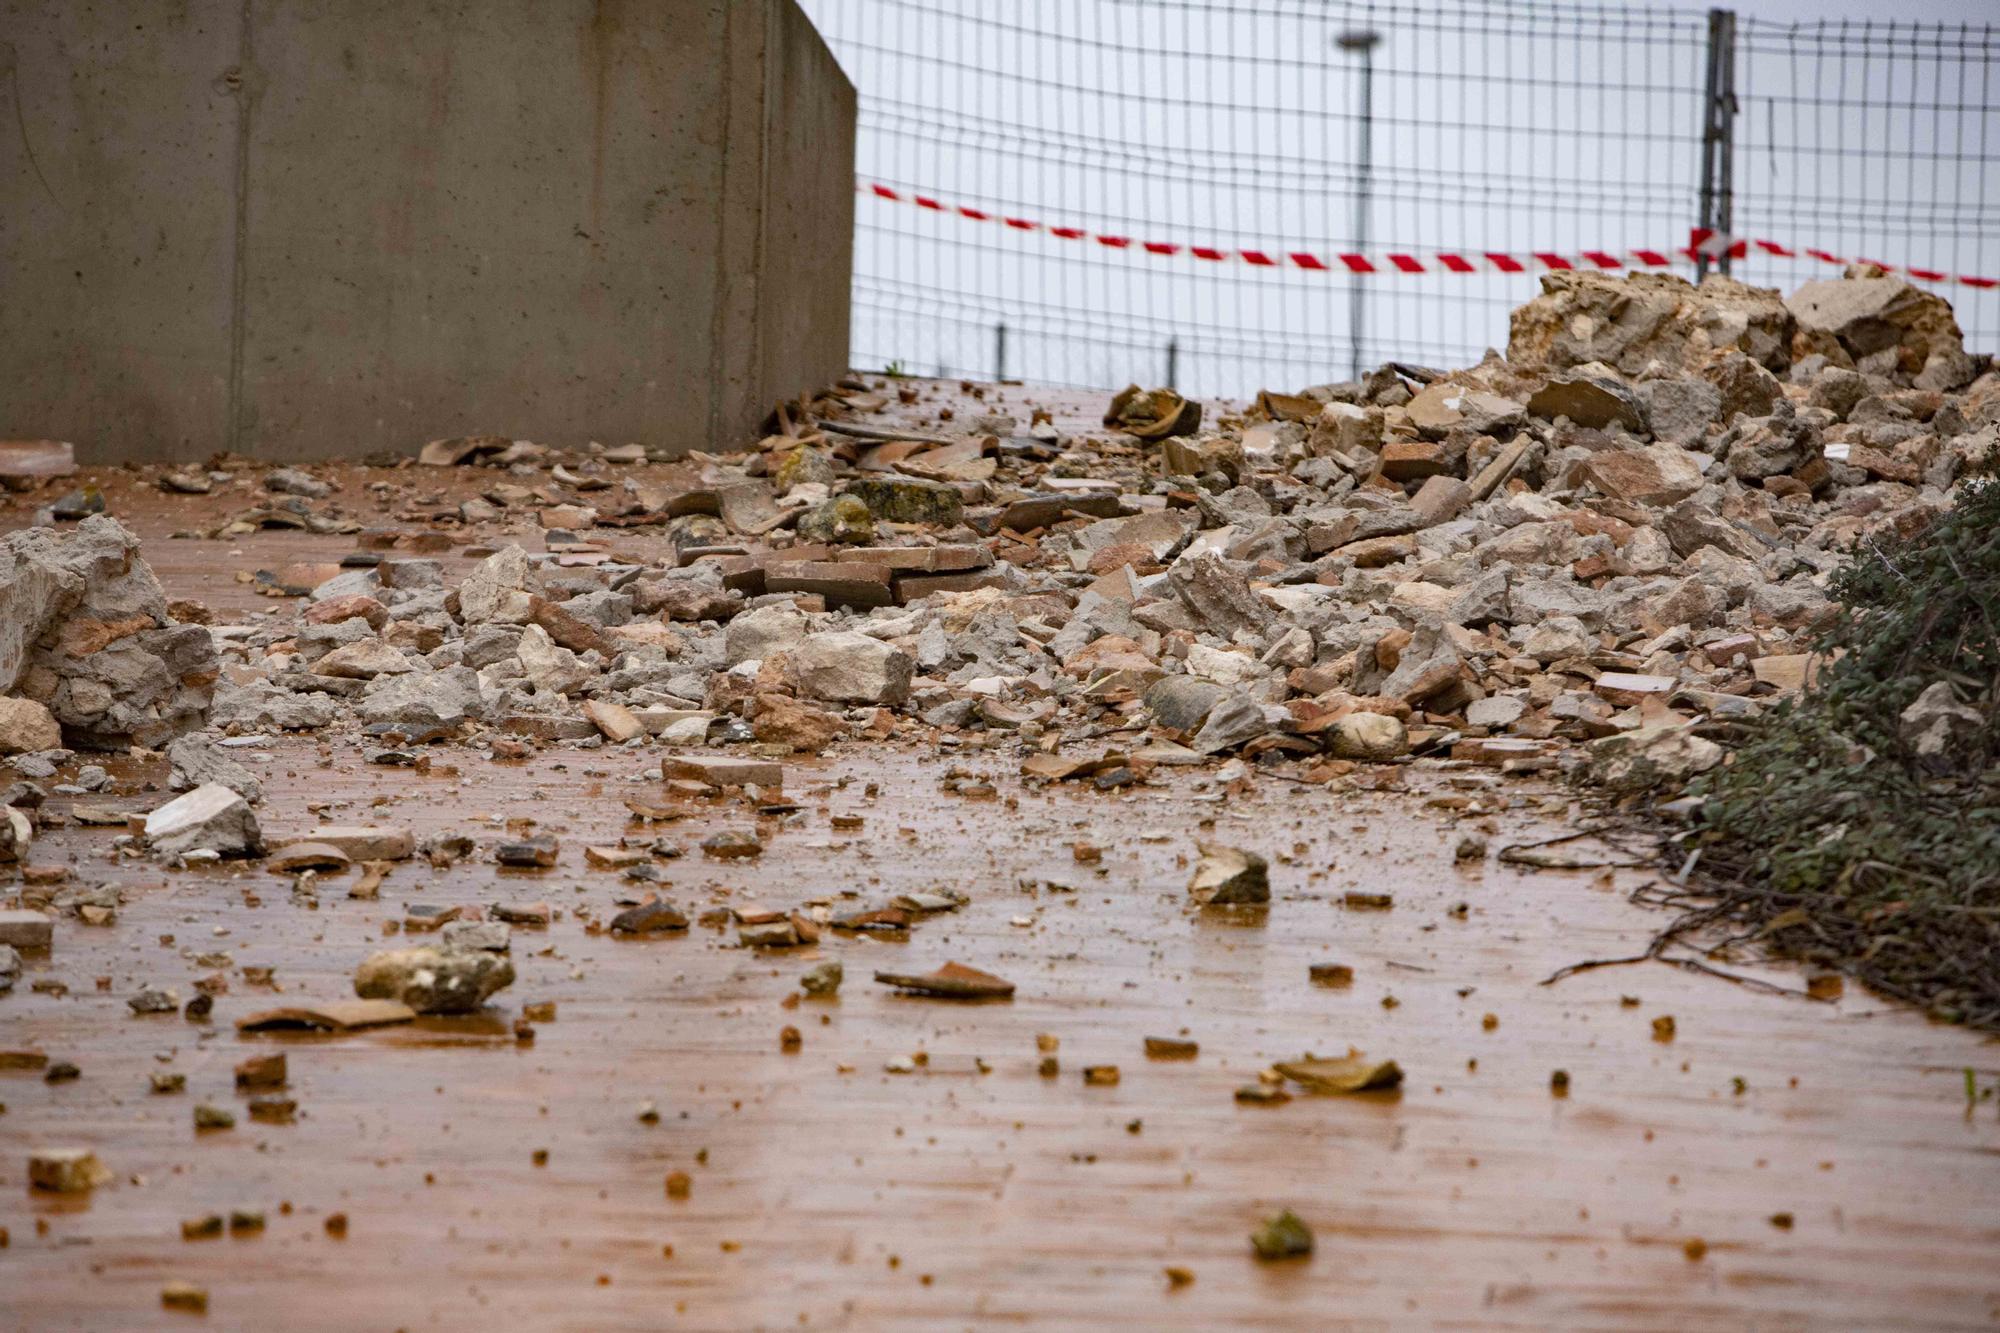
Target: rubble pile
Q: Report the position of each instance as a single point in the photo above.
(1584, 555)
(87, 644)
(1624, 526)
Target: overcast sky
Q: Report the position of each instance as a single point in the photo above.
(1234, 124)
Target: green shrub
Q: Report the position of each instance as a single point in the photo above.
(1827, 831)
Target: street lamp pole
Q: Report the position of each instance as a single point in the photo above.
(1363, 43)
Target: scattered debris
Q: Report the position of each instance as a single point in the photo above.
(724, 772)
(153, 1000)
(262, 1071)
(273, 1110)
(362, 842)
(528, 853)
(328, 1016)
(297, 856)
(197, 762)
(1611, 556)
(732, 844)
(1665, 755)
(433, 981)
(65, 1170)
(1153, 414)
(649, 918)
(953, 981)
(1229, 876)
(211, 818)
(1282, 1237)
(1353, 1072)
(25, 928)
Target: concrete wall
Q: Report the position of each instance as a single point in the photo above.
(301, 229)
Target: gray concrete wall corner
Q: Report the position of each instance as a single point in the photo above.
(808, 212)
(302, 229)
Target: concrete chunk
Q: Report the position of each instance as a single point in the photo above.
(209, 818)
(65, 1170)
(615, 722)
(433, 981)
(27, 727)
(1229, 876)
(1622, 687)
(361, 842)
(719, 772)
(1658, 475)
(852, 668)
(22, 928)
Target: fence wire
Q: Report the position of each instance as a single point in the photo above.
(1873, 140)
(1239, 125)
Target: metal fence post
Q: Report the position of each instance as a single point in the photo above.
(999, 352)
(1173, 361)
(1718, 144)
(1361, 42)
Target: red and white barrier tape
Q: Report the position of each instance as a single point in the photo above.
(1709, 243)
(1440, 261)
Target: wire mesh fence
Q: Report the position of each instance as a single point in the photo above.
(1873, 140)
(1090, 192)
